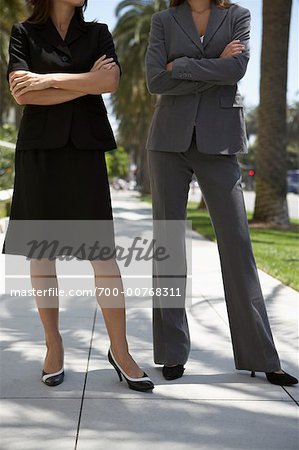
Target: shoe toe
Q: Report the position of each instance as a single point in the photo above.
(281, 379)
(52, 380)
(172, 373)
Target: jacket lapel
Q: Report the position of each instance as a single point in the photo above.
(49, 33)
(217, 15)
(183, 15)
(75, 30)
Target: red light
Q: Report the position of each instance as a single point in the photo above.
(251, 172)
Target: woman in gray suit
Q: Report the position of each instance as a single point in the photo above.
(198, 51)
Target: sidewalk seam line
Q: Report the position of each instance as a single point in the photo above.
(294, 400)
(85, 378)
(214, 309)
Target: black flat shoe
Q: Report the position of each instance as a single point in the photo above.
(281, 379)
(142, 384)
(172, 373)
(53, 379)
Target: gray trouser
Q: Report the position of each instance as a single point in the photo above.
(219, 178)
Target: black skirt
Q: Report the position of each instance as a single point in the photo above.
(65, 190)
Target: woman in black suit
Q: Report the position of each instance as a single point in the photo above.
(58, 67)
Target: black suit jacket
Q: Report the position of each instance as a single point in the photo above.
(40, 49)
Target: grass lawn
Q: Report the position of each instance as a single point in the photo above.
(276, 250)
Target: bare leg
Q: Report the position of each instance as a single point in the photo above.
(43, 276)
(107, 275)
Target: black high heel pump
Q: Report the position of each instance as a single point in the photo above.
(281, 379)
(137, 384)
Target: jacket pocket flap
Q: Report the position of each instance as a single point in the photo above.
(97, 108)
(227, 101)
(35, 109)
(165, 100)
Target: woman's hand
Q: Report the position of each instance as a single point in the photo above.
(24, 81)
(169, 66)
(233, 48)
(103, 63)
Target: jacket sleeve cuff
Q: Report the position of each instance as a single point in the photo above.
(180, 69)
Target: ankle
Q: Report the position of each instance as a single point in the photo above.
(119, 348)
(53, 340)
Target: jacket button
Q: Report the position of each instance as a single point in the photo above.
(65, 58)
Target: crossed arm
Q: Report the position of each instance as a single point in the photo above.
(222, 70)
(158, 78)
(49, 89)
(165, 77)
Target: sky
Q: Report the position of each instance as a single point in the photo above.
(104, 11)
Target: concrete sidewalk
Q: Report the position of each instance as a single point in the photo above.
(213, 406)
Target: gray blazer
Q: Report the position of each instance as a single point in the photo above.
(202, 88)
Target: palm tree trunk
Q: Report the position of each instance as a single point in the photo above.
(271, 158)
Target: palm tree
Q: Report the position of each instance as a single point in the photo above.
(271, 203)
(11, 11)
(133, 105)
